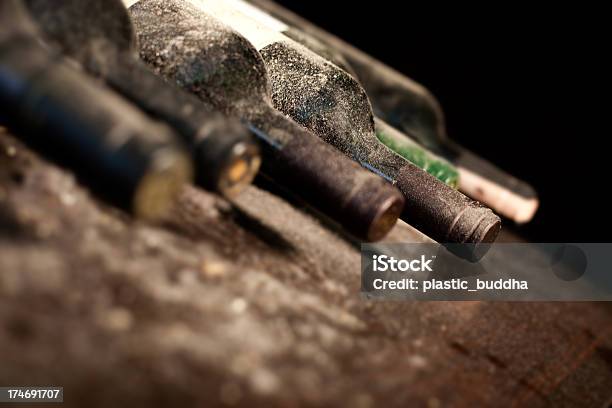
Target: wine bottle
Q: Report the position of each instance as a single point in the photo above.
(224, 70)
(99, 34)
(410, 149)
(436, 166)
(315, 93)
(407, 106)
(114, 148)
(394, 139)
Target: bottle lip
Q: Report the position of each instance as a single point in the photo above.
(484, 236)
(243, 163)
(385, 217)
(169, 170)
(492, 227)
(485, 225)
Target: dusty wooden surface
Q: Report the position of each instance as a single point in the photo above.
(256, 304)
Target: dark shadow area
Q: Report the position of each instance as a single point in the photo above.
(520, 85)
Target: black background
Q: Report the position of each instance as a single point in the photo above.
(521, 85)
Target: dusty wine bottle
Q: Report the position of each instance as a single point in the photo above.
(114, 148)
(409, 107)
(406, 147)
(223, 69)
(99, 34)
(402, 144)
(315, 93)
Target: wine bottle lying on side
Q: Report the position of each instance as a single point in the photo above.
(407, 106)
(402, 144)
(312, 91)
(100, 34)
(226, 156)
(113, 147)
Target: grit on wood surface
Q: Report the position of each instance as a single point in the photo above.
(254, 304)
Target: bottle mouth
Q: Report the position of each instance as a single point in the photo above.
(161, 184)
(243, 162)
(386, 217)
(489, 231)
(476, 245)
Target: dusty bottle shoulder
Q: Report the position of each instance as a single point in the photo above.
(328, 101)
(398, 99)
(101, 25)
(315, 92)
(199, 53)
